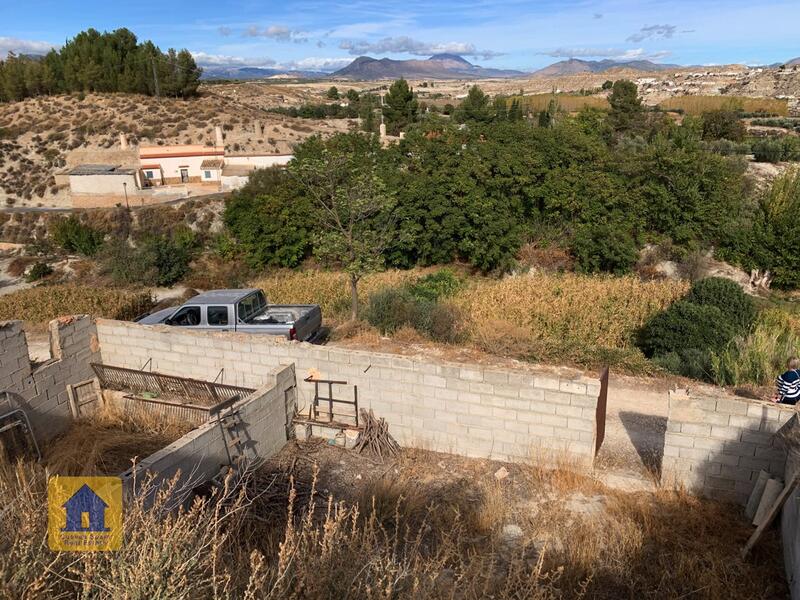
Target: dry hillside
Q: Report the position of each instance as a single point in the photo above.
(41, 136)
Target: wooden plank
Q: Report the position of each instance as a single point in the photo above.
(773, 512)
(73, 404)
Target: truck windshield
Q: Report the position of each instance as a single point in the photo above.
(251, 306)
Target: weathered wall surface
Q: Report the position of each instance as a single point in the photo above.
(790, 526)
(260, 426)
(464, 409)
(42, 391)
(717, 446)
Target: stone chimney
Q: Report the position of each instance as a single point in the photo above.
(219, 141)
(257, 127)
(123, 141)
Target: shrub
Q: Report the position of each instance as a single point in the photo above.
(73, 236)
(442, 322)
(390, 309)
(768, 150)
(728, 297)
(604, 247)
(38, 271)
(685, 325)
(441, 284)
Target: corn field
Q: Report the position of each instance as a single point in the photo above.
(696, 105)
(44, 303)
(569, 103)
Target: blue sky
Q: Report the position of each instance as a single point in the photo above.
(520, 34)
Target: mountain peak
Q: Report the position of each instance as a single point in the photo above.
(444, 56)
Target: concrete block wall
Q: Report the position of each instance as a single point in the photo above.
(715, 446)
(42, 391)
(200, 454)
(465, 409)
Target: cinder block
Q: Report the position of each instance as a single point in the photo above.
(572, 387)
(532, 394)
(739, 448)
(580, 424)
(693, 453)
(760, 438)
(434, 381)
(586, 401)
(554, 397)
(545, 382)
(471, 375)
(725, 433)
(696, 429)
(569, 411)
(495, 377)
(507, 391)
(480, 387)
(678, 440)
(720, 483)
(744, 422)
(555, 421)
(732, 407)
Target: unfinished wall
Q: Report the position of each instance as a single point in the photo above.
(716, 446)
(42, 391)
(261, 426)
(465, 409)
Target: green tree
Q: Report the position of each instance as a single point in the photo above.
(627, 112)
(474, 108)
(399, 107)
(333, 93)
(356, 209)
(723, 124)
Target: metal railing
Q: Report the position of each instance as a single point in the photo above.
(168, 387)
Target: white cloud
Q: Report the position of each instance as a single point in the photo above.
(223, 60)
(224, 31)
(280, 33)
(312, 63)
(407, 45)
(18, 46)
(652, 31)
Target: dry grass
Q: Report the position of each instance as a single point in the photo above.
(567, 102)
(568, 317)
(106, 443)
(331, 290)
(44, 303)
(424, 533)
(696, 105)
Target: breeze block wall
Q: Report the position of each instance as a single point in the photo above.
(199, 455)
(464, 409)
(715, 446)
(41, 391)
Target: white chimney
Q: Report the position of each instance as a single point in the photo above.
(123, 141)
(383, 130)
(218, 135)
(257, 126)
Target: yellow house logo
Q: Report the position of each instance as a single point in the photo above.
(84, 513)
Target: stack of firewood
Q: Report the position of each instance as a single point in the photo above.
(375, 438)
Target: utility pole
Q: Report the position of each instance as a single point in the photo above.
(155, 75)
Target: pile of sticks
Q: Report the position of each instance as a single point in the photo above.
(375, 438)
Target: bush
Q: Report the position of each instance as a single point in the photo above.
(685, 325)
(768, 150)
(728, 297)
(73, 236)
(159, 260)
(441, 284)
(604, 247)
(390, 309)
(38, 271)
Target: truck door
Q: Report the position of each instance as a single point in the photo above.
(218, 317)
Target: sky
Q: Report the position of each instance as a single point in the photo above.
(514, 34)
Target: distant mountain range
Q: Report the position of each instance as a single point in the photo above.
(225, 72)
(576, 66)
(438, 66)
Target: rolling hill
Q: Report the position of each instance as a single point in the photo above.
(575, 66)
(438, 66)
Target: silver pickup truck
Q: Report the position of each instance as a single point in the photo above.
(245, 311)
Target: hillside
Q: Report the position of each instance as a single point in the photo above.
(438, 66)
(248, 73)
(41, 136)
(575, 66)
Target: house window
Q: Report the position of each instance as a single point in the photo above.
(207, 174)
(149, 175)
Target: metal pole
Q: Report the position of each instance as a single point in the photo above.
(125, 187)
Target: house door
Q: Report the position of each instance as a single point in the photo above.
(184, 175)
